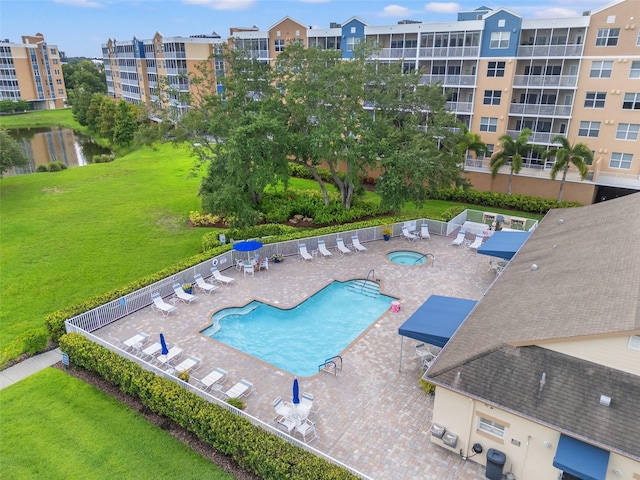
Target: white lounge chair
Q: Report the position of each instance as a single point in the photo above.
(151, 351)
(408, 235)
(322, 248)
(215, 379)
(357, 245)
(220, 278)
(342, 248)
(459, 240)
(183, 296)
(136, 342)
(159, 305)
(477, 242)
(424, 232)
(187, 365)
(302, 250)
(202, 285)
(241, 389)
(174, 354)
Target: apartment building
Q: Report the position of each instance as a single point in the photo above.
(578, 77)
(134, 67)
(32, 71)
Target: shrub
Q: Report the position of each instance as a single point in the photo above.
(429, 388)
(42, 168)
(236, 402)
(35, 340)
(525, 203)
(198, 219)
(56, 166)
(103, 158)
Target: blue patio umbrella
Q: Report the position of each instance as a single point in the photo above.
(247, 246)
(165, 350)
(296, 391)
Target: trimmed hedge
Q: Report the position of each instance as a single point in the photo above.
(255, 449)
(524, 203)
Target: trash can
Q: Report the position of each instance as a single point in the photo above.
(495, 463)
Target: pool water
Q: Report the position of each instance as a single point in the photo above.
(407, 258)
(300, 339)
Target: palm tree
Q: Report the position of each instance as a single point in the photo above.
(577, 154)
(472, 142)
(512, 151)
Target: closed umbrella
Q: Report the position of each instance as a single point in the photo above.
(247, 246)
(165, 350)
(296, 391)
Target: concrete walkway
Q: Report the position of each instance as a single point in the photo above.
(31, 365)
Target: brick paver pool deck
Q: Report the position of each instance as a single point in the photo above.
(371, 416)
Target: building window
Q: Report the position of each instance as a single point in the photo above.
(353, 29)
(488, 124)
(635, 70)
(492, 428)
(627, 131)
(600, 69)
(607, 37)
(589, 129)
(631, 101)
(500, 39)
(621, 160)
(595, 99)
(56, 72)
(58, 81)
(60, 91)
(352, 42)
(297, 33)
(492, 97)
(495, 69)
(278, 45)
(54, 51)
(54, 61)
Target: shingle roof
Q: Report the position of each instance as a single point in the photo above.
(587, 284)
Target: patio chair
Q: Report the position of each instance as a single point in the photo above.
(248, 269)
(459, 240)
(477, 242)
(408, 235)
(136, 342)
(220, 278)
(263, 264)
(288, 425)
(151, 351)
(423, 350)
(322, 248)
(342, 248)
(159, 305)
(189, 364)
(424, 232)
(183, 296)
(357, 245)
(302, 250)
(307, 429)
(306, 400)
(202, 285)
(175, 353)
(215, 379)
(280, 408)
(241, 389)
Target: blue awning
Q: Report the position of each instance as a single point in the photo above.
(437, 319)
(503, 244)
(581, 459)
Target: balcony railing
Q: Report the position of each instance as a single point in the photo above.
(449, 79)
(550, 50)
(545, 80)
(540, 109)
(461, 107)
(442, 52)
(536, 137)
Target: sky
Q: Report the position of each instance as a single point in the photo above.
(80, 27)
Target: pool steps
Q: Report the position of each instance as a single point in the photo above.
(215, 326)
(365, 287)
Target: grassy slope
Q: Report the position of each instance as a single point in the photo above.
(73, 234)
(41, 118)
(74, 430)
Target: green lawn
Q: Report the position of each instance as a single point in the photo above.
(41, 118)
(75, 431)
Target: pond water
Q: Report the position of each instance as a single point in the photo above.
(54, 144)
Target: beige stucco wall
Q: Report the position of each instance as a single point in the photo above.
(610, 351)
(529, 447)
(583, 192)
(289, 30)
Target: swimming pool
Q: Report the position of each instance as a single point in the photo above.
(298, 340)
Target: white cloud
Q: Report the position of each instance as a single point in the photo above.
(223, 4)
(395, 11)
(442, 7)
(80, 3)
(555, 12)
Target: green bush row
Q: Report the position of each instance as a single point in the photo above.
(256, 450)
(524, 203)
(51, 167)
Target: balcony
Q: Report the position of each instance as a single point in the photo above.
(550, 50)
(624, 180)
(449, 80)
(396, 53)
(460, 107)
(445, 52)
(536, 137)
(540, 110)
(545, 80)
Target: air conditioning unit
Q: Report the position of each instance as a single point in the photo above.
(450, 439)
(437, 430)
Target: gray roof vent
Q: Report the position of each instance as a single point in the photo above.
(605, 401)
